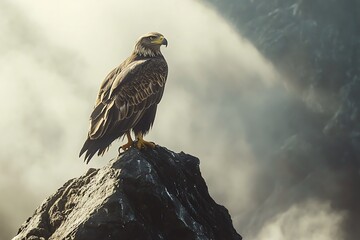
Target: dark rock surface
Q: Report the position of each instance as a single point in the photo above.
(152, 194)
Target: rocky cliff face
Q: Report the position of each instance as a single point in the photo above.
(316, 46)
(153, 194)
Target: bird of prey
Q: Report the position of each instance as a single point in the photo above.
(128, 98)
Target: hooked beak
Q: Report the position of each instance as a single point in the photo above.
(164, 42)
(161, 41)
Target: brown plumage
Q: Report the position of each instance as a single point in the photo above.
(128, 98)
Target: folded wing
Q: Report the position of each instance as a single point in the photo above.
(122, 100)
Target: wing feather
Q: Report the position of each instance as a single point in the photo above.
(138, 86)
(124, 96)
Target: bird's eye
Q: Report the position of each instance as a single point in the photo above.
(152, 38)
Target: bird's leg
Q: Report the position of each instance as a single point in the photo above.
(141, 143)
(129, 143)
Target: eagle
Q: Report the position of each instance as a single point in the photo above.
(128, 99)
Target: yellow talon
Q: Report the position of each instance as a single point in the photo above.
(129, 143)
(141, 143)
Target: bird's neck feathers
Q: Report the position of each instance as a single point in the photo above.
(146, 52)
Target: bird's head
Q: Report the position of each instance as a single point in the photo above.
(149, 44)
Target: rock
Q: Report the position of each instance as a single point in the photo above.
(152, 194)
(315, 45)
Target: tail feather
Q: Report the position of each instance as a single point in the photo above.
(99, 146)
(90, 149)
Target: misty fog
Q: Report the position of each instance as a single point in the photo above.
(223, 103)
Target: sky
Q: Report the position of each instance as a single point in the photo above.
(223, 103)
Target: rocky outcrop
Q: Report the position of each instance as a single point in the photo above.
(152, 194)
